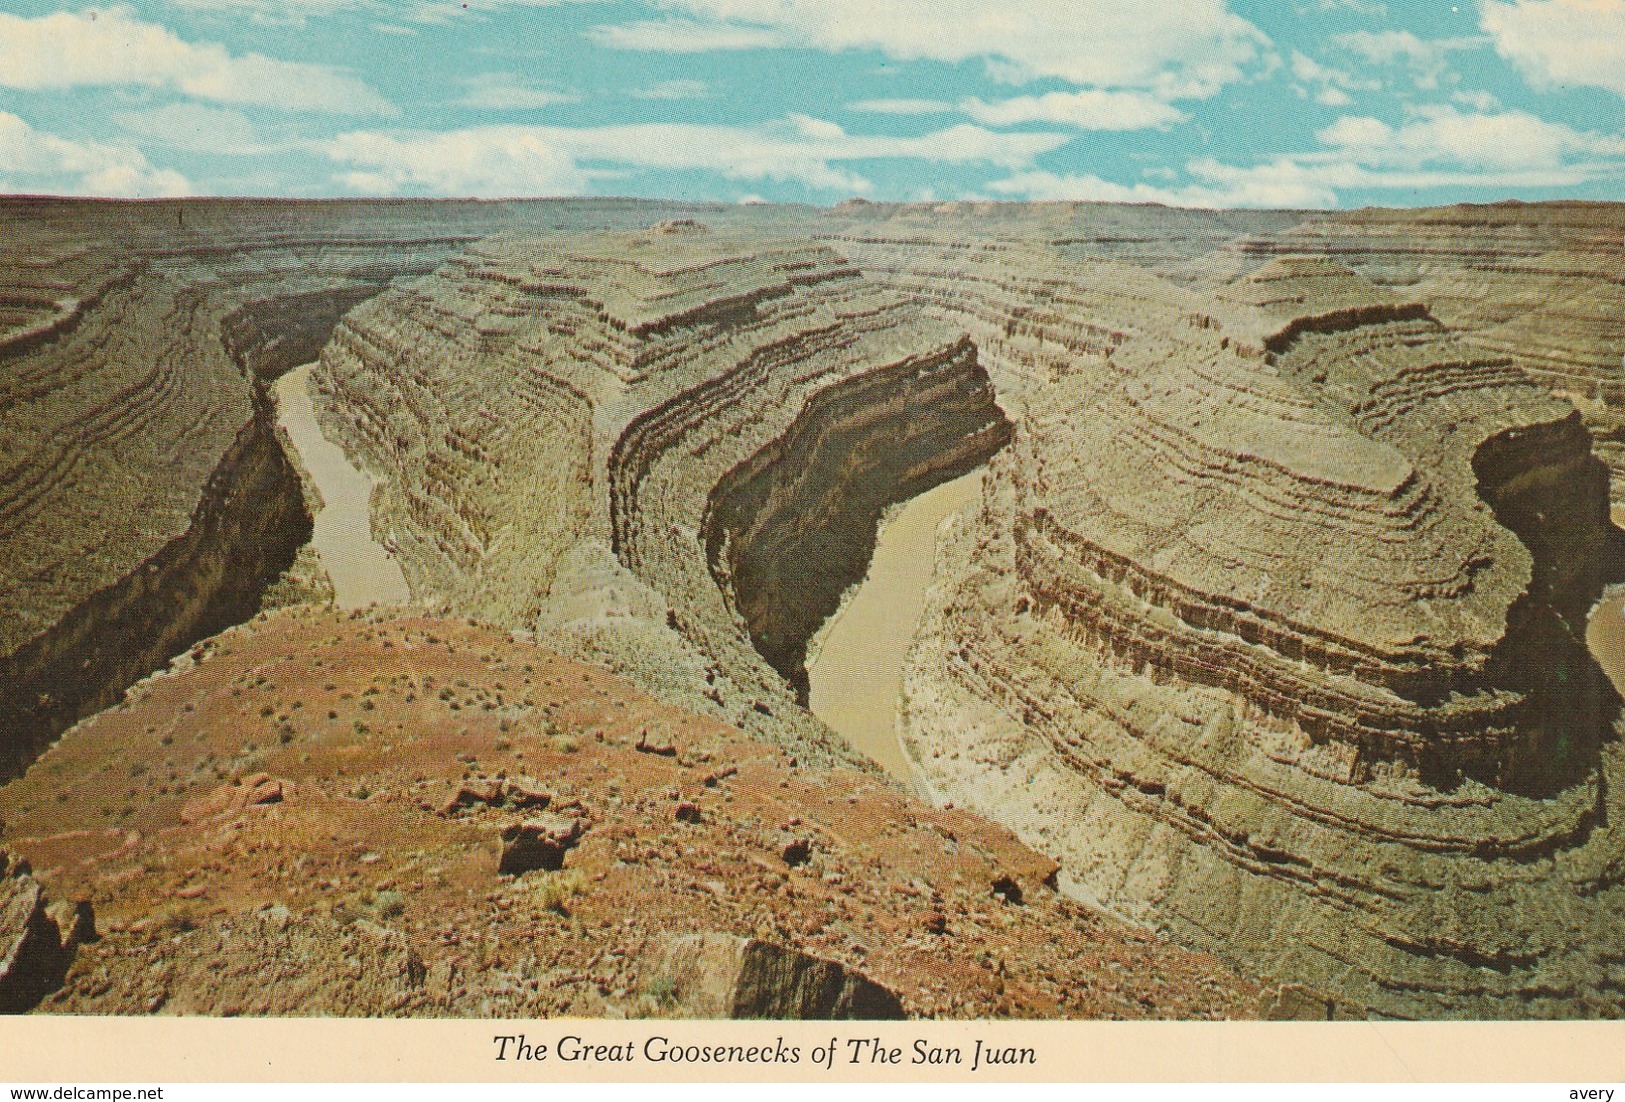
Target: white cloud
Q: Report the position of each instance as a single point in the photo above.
(685, 36)
(1331, 86)
(902, 106)
(31, 161)
(1478, 100)
(1300, 182)
(192, 126)
(674, 90)
(1316, 180)
(1561, 42)
(515, 160)
(278, 11)
(1441, 148)
(1374, 8)
(110, 47)
(1507, 140)
(1428, 60)
(1177, 48)
(297, 12)
(1263, 188)
(487, 161)
(509, 92)
(1090, 109)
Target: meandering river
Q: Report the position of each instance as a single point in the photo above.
(1605, 632)
(857, 675)
(363, 572)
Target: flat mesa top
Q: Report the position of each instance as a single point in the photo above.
(645, 282)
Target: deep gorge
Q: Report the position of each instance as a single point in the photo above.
(791, 528)
(1268, 629)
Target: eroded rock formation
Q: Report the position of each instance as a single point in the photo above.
(1538, 284)
(144, 499)
(637, 441)
(1269, 627)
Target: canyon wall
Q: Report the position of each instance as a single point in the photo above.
(789, 529)
(1538, 284)
(1269, 627)
(144, 499)
(652, 448)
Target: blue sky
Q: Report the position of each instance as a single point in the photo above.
(1217, 103)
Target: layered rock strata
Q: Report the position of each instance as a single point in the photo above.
(1269, 626)
(145, 501)
(1278, 596)
(1540, 284)
(665, 446)
(1274, 638)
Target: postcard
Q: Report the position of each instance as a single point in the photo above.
(821, 541)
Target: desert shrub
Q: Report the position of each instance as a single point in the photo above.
(554, 890)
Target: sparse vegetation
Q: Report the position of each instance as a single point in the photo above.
(553, 891)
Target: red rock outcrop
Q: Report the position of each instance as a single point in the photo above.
(1268, 630)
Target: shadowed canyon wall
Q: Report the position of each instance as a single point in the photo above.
(792, 527)
(147, 502)
(1269, 626)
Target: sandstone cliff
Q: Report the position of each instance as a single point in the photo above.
(656, 448)
(1269, 628)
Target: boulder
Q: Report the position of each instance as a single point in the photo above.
(539, 842)
(34, 954)
(254, 790)
(717, 975)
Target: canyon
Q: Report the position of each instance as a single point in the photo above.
(1261, 619)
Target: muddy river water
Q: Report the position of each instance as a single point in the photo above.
(1605, 633)
(857, 675)
(362, 571)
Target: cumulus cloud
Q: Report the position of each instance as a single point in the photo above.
(1426, 59)
(520, 161)
(1328, 85)
(1090, 109)
(1561, 42)
(510, 92)
(1440, 148)
(110, 47)
(195, 127)
(32, 161)
(1501, 141)
(1179, 48)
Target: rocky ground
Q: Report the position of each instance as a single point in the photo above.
(311, 814)
(1269, 630)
